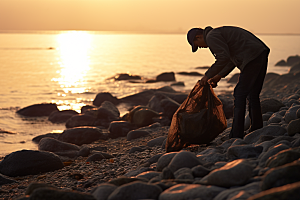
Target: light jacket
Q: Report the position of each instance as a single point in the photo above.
(232, 47)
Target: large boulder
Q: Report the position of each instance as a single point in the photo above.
(104, 96)
(108, 111)
(82, 135)
(270, 105)
(38, 110)
(61, 116)
(295, 68)
(81, 120)
(294, 127)
(167, 76)
(29, 162)
(292, 60)
(53, 145)
(119, 129)
(271, 130)
(142, 116)
(103, 191)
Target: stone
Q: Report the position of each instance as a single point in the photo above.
(124, 76)
(137, 172)
(237, 193)
(38, 138)
(156, 141)
(227, 101)
(272, 151)
(95, 157)
(134, 134)
(103, 191)
(61, 116)
(87, 108)
(296, 142)
(281, 63)
(244, 151)
(200, 171)
(266, 116)
(53, 145)
(167, 173)
(119, 129)
(270, 105)
(35, 185)
(155, 158)
(164, 160)
(283, 157)
(38, 110)
(148, 175)
(292, 60)
(108, 111)
(4, 180)
(184, 171)
(280, 176)
(82, 135)
(293, 127)
(80, 120)
(169, 107)
(29, 162)
(167, 76)
(135, 190)
(265, 145)
(183, 159)
(84, 151)
(190, 73)
(104, 96)
(275, 118)
(291, 114)
(271, 130)
(237, 172)
(190, 191)
(142, 116)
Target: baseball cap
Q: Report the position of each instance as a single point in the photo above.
(191, 35)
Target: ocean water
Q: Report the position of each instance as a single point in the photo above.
(69, 68)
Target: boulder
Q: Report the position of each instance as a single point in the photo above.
(53, 145)
(119, 129)
(108, 111)
(169, 107)
(61, 116)
(136, 134)
(281, 63)
(275, 118)
(38, 138)
(80, 120)
(35, 185)
(190, 191)
(156, 141)
(239, 193)
(104, 96)
(244, 151)
(148, 175)
(142, 116)
(164, 160)
(103, 191)
(291, 113)
(270, 105)
(87, 107)
(183, 159)
(29, 162)
(167, 76)
(292, 60)
(38, 110)
(82, 135)
(271, 130)
(200, 171)
(95, 157)
(271, 151)
(136, 190)
(293, 127)
(190, 73)
(283, 157)
(4, 180)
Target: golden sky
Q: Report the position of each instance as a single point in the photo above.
(174, 16)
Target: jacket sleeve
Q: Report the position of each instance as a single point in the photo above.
(220, 49)
(227, 69)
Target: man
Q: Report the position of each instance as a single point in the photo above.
(235, 47)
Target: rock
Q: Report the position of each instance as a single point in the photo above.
(156, 141)
(82, 135)
(275, 118)
(271, 151)
(148, 175)
(61, 116)
(142, 116)
(28, 162)
(291, 60)
(104, 96)
(167, 76)
(243, 192)
(4, 180)
(234, 78)
(184, 173)
(167, 173)
(200, 171)
(119, 129)
(190, 73)
(125, 180)
(270, 105)
(267, 130)
(80, 120)
(281, 63)
(283, 157)
(244, 151)
(169, 107)
(37, 139)
(120, 77)
(136, 134)
(291, 114)
(296, 142)
(234, 173)
(136, 149)
(298, 113)
(164, 160)
(180, 83)
(103, 191)
(108, 111)
(38, 110)
(53, 145)
(135, 190)
(155, 158)
(290, 192)
(51, 193)
(266, 116)
(87, 107)
(270, 76)
(84, 151)
(190, 191)
(286, 174)
(35, 185)
(137, 172)
(183, 159)
(95, 157)
(293, 127)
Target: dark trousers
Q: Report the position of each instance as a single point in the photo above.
(249, 86)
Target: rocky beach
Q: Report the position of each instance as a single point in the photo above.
(104, 156)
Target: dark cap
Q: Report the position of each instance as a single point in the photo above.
(191, 35)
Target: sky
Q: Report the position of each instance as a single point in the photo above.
(161, 16)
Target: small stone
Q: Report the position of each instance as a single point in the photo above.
(293, 127)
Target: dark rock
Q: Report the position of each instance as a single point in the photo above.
(271, 151)
(281, 63)
(294, 127)
(148, 175)
(27, 162)
(33, 186)
(53, 145)
(136, 149)
(136, 134)
(103, 191)
(4, 180)
(169, 107)
(296, 142)
(190, 73)
(239, 193)
(298, 113)
(38, 110)
(203, 67)
(180, 83)
(155, 158)
(137, 172)
(119, 129)
(183, 159)
(120, 77)
(291, 113)
(68, 154)
(200, 171)
(270, 130)
(244, 151)
(125, 180)
(104, 96)
(87, 107)
(61, 116)
(142, 116)
(135, 190)
(234, 78)
(80, 120)
(283, 157)
(164, 160)
(84, 151)
(167, 76)
(167, 173)
(227, 101)
(37, 139)
(95, 157)
(292, 60)
(82, 135)
(270, 105)
(108, 111)
(156, 141)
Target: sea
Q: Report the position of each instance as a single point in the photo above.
(70, 68)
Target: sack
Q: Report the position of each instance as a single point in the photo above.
(199, 119)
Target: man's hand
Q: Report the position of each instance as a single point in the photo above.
(214, 80)
(204, 80)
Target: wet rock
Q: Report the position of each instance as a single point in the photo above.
(119, 129)
(103, 191)
(136, 134)
(183, 159)
(291, 114)
(135, 190)
(4, 180)
(104, 96)
(156, 141)
(53, 145)
(267, 130)
(164, 160)
(80, 120)
(293, 127)
(37, 139)
(61, 116)
(82, 135)
(166, 76)
(200, 171)
(270, 105)
(283, 157)
(120, 77)
(38, 110)
(28, 162)
(244, 151)
(190, 191)
(234, 173)
(190, 73)
(243, 192)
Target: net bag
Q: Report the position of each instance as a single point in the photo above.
(198, 120)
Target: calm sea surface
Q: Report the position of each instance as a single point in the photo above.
(70, 68)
